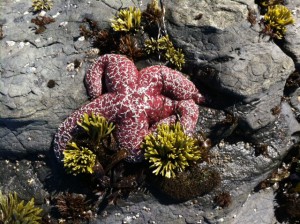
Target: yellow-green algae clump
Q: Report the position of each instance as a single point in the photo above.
(170, 150)
(165, 46)
(78, 159)
(13, 211)
(97, 127)
(127, 20)
(39, 5)
(266, 3)
(277, 18)
(81, 159)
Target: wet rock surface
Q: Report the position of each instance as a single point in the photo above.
(242, 74)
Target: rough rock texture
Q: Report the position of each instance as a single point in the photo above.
(236, 65)
(292, 41)
(230, 57)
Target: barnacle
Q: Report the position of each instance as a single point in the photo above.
(42, 5)
(97, 127)
(165, 46)
(12, 211)
(78, 159)
(127, 20)
(170, 150)
(277, 18)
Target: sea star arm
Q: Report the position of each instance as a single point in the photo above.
(103, 105)
(189, 113)
(130, 133)
(161, 79)
(178, 86)
(120, 75)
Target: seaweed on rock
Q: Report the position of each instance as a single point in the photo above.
(170, 150)
(39, 5)
(14, 211)
(275, 21)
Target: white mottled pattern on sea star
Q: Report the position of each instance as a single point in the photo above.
(136, 102)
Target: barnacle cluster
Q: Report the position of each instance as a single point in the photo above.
(14, 211)
(78, 159)
(165, 46)
(170, 150)
(276, 19)
(39, 5)
(127, 20)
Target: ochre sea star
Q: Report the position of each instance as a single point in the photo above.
(136, 102)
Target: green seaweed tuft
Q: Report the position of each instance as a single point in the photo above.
(170, 150)
(78, 159)
(39, 5)
(276, 19)
(165, 46)
(127, 20)
(12, 211)
(97, 127)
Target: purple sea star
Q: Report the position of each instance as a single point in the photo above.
(136, 102)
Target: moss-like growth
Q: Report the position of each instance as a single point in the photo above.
(266, 3)
(97, 127)
(12, 211)
(223, 199)
(153, 14)
(170, 150)
(165, 47)
(130, 47)
(78, 159)
(127, 20)
(188, 184)
(276, 19)
(73, 207)
(39, 5)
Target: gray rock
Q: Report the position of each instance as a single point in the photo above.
(295, 100)
(229, 56)
(291, 42)
(223, 52)
(21, 177)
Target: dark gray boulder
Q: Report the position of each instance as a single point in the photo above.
(229, 55)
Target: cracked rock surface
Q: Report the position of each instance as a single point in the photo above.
(238, 70)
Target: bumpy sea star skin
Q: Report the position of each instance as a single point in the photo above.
(136, 102)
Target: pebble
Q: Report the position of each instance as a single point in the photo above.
(42, 13)
(10, 43)
(81, 38)
(56, 15)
